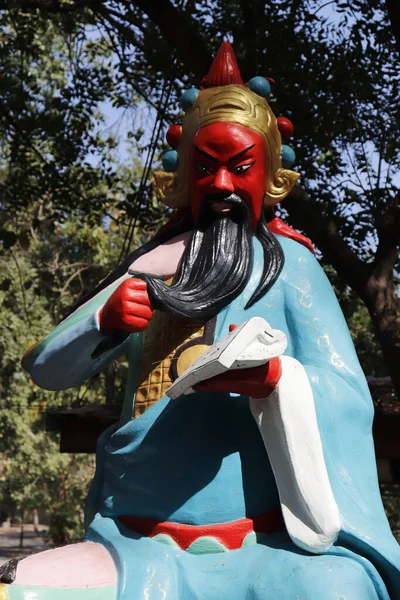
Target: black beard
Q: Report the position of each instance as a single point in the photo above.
(214, 268)
(217, 263)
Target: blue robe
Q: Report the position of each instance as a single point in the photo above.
(200, 459)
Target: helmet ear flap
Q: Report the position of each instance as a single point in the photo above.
(279, 186)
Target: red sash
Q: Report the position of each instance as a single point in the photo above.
(231, 534)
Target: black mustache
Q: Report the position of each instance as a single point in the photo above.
(240, 211)
(232, 199)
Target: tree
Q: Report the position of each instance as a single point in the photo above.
(68, 204)
(336, 67)
(64, 199)
(38, 282)
(394, 16)
(349, 157)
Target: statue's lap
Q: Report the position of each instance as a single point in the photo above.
(86, 571)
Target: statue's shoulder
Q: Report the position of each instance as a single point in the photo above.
(302, 275)
(297, 254)
(279, 227)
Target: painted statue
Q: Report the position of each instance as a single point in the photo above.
(261, 483)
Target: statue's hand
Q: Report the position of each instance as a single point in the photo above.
(127, 308)
(257, 382)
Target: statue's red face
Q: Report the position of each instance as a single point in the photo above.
(228, 158)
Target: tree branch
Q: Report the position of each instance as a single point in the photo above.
(129, 36)
(78, 274)
(51, 6)
(246, 34)
(189, 44)
(393, 8)
(388, 229)
(170, 20)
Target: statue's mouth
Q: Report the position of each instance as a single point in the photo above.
(221, 207)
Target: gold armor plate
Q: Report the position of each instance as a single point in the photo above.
(167, 347)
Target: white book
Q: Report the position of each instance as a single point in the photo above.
(250, 345)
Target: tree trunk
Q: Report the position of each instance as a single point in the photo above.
(21, 532)
(36, 521)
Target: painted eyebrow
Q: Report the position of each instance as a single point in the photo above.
(241, 153)
(210, 156)
(233, 158)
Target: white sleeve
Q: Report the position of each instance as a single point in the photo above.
(288, 425)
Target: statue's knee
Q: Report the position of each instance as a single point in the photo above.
(85, 564)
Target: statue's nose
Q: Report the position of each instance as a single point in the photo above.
(223, 181)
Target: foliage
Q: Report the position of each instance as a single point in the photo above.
(337, 77)
(336, 68)
(55, 148)
(64, 203)
(34, 471)
(39, 281)
(67, 202)
(49, 109)
(391, 499)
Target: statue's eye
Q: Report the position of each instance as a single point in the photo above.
(203, 169)
(242, 168)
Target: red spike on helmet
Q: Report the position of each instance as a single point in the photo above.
(225, 69)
